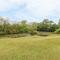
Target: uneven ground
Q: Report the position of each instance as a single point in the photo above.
(30, 48)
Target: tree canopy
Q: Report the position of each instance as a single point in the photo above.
(23, 27)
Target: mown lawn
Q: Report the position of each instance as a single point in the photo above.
(30, 48)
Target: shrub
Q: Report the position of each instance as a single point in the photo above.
(57, 31)
(43, 34)
(33, 32)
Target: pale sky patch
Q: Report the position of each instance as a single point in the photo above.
(30, 9)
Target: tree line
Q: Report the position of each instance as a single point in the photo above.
(30, 28)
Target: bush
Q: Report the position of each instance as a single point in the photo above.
(33, 32)
(57, 31)
(43, 34)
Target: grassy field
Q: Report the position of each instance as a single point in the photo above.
(30, 48)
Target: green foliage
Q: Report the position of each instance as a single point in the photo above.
(57, 31)
(33, 32)
(23, 27)
(28, 28)
(47, 26)
(59, 23)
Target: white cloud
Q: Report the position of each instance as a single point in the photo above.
(22, 16)
(16, 2)
(42, 7)
(35, 8)
(3, 5)
(9, 4)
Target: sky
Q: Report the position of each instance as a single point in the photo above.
(30, 10)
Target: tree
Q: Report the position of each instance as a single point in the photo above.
(43, 26)
(3, 24)
(23, 27)
(46, 26)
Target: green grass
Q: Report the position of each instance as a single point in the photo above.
(30, 48)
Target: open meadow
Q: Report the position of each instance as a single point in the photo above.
(30, 48)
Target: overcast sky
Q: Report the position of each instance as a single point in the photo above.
(31, 10)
